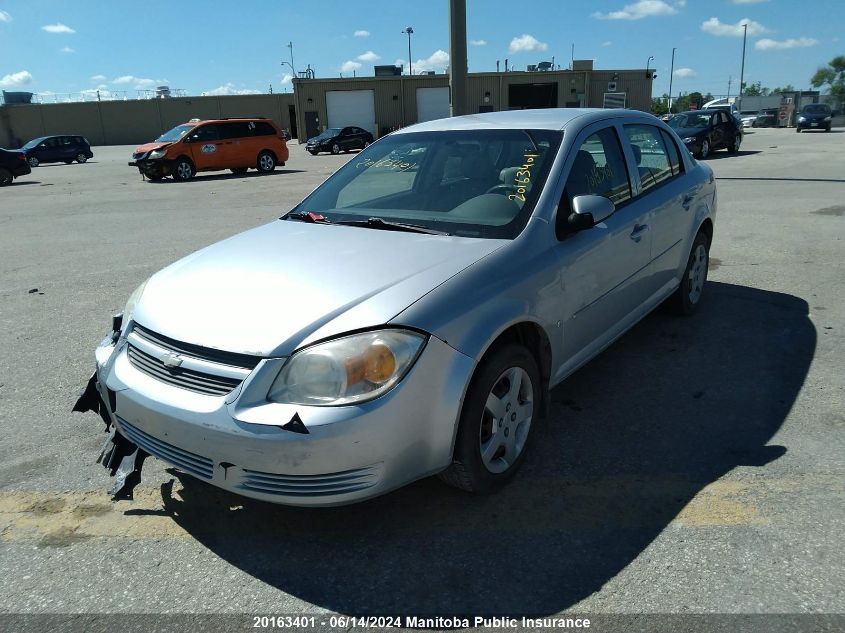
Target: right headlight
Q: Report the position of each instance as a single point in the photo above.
(802, 119)
(348, 370)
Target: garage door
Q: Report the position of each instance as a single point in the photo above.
(432, 103)
(351, 107)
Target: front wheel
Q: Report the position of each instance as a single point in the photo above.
(266, 162)
(183, 170)
(501, 403)
(335, 149)
(704, 152)
(687, 297)
(81, 158)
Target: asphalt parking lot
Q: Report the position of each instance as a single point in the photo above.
(696, 466)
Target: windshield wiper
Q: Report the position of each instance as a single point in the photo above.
(386, 225)
(306, 216)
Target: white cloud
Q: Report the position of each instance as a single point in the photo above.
(229, 89)
(478, 42)
(67, 49)
(14, 80)
(58, 27)
(772, 45)
(438, 60)
(715, 27)
(369, 56)
(140, 83)
(526, 43)
(102, 92)
(349, 66)
(362, 33)
(98, 78)
(5, 17)
(287, 80)
(640, 10)
(607, 43)
(682, 73)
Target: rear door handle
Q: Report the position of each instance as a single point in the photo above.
(638, 232)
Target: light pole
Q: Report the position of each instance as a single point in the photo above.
(742, 69)
(648, 61)
(671, 74)
(409, 30)
(290, 46)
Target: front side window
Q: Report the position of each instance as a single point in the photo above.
(203, 133)
(650, 154)
(445, 180)
(599, 169)
(175, 134)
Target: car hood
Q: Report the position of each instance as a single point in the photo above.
(149, 147)
(684, 132)
(286, 284)
(814, 116)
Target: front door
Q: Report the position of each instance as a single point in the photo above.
(206, 146)
(604, 268)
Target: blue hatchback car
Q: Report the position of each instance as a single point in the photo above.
(64, 148)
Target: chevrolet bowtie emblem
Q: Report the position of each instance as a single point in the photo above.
(171, 360)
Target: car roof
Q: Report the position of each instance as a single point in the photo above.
(541, 119)
(245, 118)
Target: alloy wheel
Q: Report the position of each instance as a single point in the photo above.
(506, 420)
(697, 273)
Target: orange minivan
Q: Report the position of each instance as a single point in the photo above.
(236, 144)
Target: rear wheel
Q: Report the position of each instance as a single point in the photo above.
(33, 162)
(266, 162)
(183, 169)
(734, 147)
(502, 401)
(687, 297)
(81, 158)
(6, 177)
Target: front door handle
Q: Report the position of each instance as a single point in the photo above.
(688, 198)
(638, 232)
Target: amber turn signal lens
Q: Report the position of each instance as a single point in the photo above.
(377, 364)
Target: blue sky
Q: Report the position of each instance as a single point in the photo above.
(63, 46)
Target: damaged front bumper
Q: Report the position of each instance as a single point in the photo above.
(290, 454)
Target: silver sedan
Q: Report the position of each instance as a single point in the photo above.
(410, 316)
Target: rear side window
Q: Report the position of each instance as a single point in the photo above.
(672, 153)
(599, 169)
(235, 129)
(650, 154)
(262, 128)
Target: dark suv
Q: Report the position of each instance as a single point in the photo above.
(57, 149)
(12, 164)
(814, 116)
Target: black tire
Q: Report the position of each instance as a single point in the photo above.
(335, 149)
(6, 177)
(240, 171)
(733, 148)
(366, 144)
(704, 152)
(183, 169)
(266, 162)
(798, 129)
(81, 158)
(685, 301)
(312, 152)
(33, 161)
(154, 177)
(468, 471)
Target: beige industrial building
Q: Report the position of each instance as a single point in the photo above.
(382, 104)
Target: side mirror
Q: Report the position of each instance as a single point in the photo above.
(587, 211)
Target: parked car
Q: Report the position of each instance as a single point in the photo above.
(412, 313)
(814, 116)
(748, 118)
(339, 139)
(704, 131)
(235, 144)
(64, 148)
(12, 165)
(767, 117)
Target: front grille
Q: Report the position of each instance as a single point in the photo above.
(310, 485)
(189, 379)
(245, 361)
(189, 462)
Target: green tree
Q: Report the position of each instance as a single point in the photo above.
(786, 88)
(755, 90)
(832, 77)
(659, 105)
(697, 98)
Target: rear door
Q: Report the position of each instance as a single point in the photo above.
(206, 146)
(235, 148)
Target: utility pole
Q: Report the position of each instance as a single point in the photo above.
(458, 57)
(409, 30)
(742, 70)
(730, 81)
(671, 74)
(290, 46)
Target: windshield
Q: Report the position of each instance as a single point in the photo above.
(689, 120)
(816, 108)
(176, 133)
(332, 131)
(472, 183)
(33, 142)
